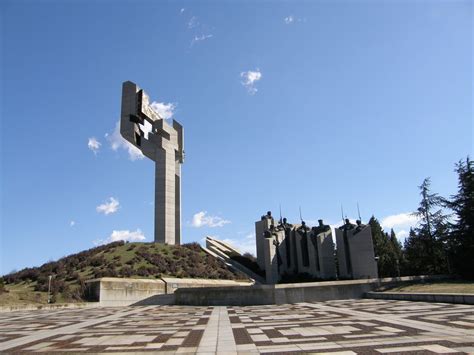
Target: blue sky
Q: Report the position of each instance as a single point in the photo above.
(311, 104)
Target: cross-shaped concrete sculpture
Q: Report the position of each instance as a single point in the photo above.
(145, 129)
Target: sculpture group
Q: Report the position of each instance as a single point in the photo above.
(286, 249)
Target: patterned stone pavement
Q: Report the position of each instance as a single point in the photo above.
(333, 327)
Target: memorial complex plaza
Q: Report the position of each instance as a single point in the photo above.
(312, 287)
(361, 326)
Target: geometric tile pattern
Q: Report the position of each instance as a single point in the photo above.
(338, 327)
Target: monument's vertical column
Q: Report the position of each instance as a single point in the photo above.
(170, 197)
(160, 196)
(178, 160)
(177, 208)
(165, 189)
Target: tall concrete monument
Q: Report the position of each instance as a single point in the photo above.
(163, 143)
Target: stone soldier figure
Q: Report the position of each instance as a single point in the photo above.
(276, 243)
(347, 225)
(315, 231)
(359, 227)
(268, 216)
(287, 227)
(320, 228)
(303, 231)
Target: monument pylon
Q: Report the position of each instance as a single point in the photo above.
(163, 143)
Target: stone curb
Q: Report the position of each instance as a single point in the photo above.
(462, 298)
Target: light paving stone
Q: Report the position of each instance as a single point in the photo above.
(466, 349)
(319, 346)
(439, 349)
(399, 349)
(39, 346)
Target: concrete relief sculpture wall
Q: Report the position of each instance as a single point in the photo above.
(285, 249)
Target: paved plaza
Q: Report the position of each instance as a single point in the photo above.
(336, 327)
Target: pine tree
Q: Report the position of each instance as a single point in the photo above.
(397, 252)
(387, 266)
(415, 254)
(462, 231)
(426, 242)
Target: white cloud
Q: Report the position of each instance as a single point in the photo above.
(165, 111)
(124, 235)
(400, 223)
(197, 39)
(93, 144)
(72, 223)
(401, 220)
(193, 22)
(182, 10)
(250, 78)
(108, 207)
(289, 19)
(117, 141)
(201, 219)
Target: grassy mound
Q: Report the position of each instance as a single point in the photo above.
(118, 259)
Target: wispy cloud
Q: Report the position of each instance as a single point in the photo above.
(124, 235)
(291, 19)
(93, 144)
(250, 78)
(108, 207)
(118, 142)
(201, 32)
(200, 38)
(201, 219)
(193, 22)
(164, 110)
(72, 223)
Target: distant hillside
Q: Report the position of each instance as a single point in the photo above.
(118, 259)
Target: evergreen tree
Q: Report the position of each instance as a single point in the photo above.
(383, 248)
(415, 254)
(397, 252)
(462, 230)
(424, 248)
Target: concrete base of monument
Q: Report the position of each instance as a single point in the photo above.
(288, 293)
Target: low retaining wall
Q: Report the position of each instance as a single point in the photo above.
(288, 293)
(113, 292)
(424, 297)
(35, 307)
(173, 283)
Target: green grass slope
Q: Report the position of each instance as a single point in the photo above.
(118, 259)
